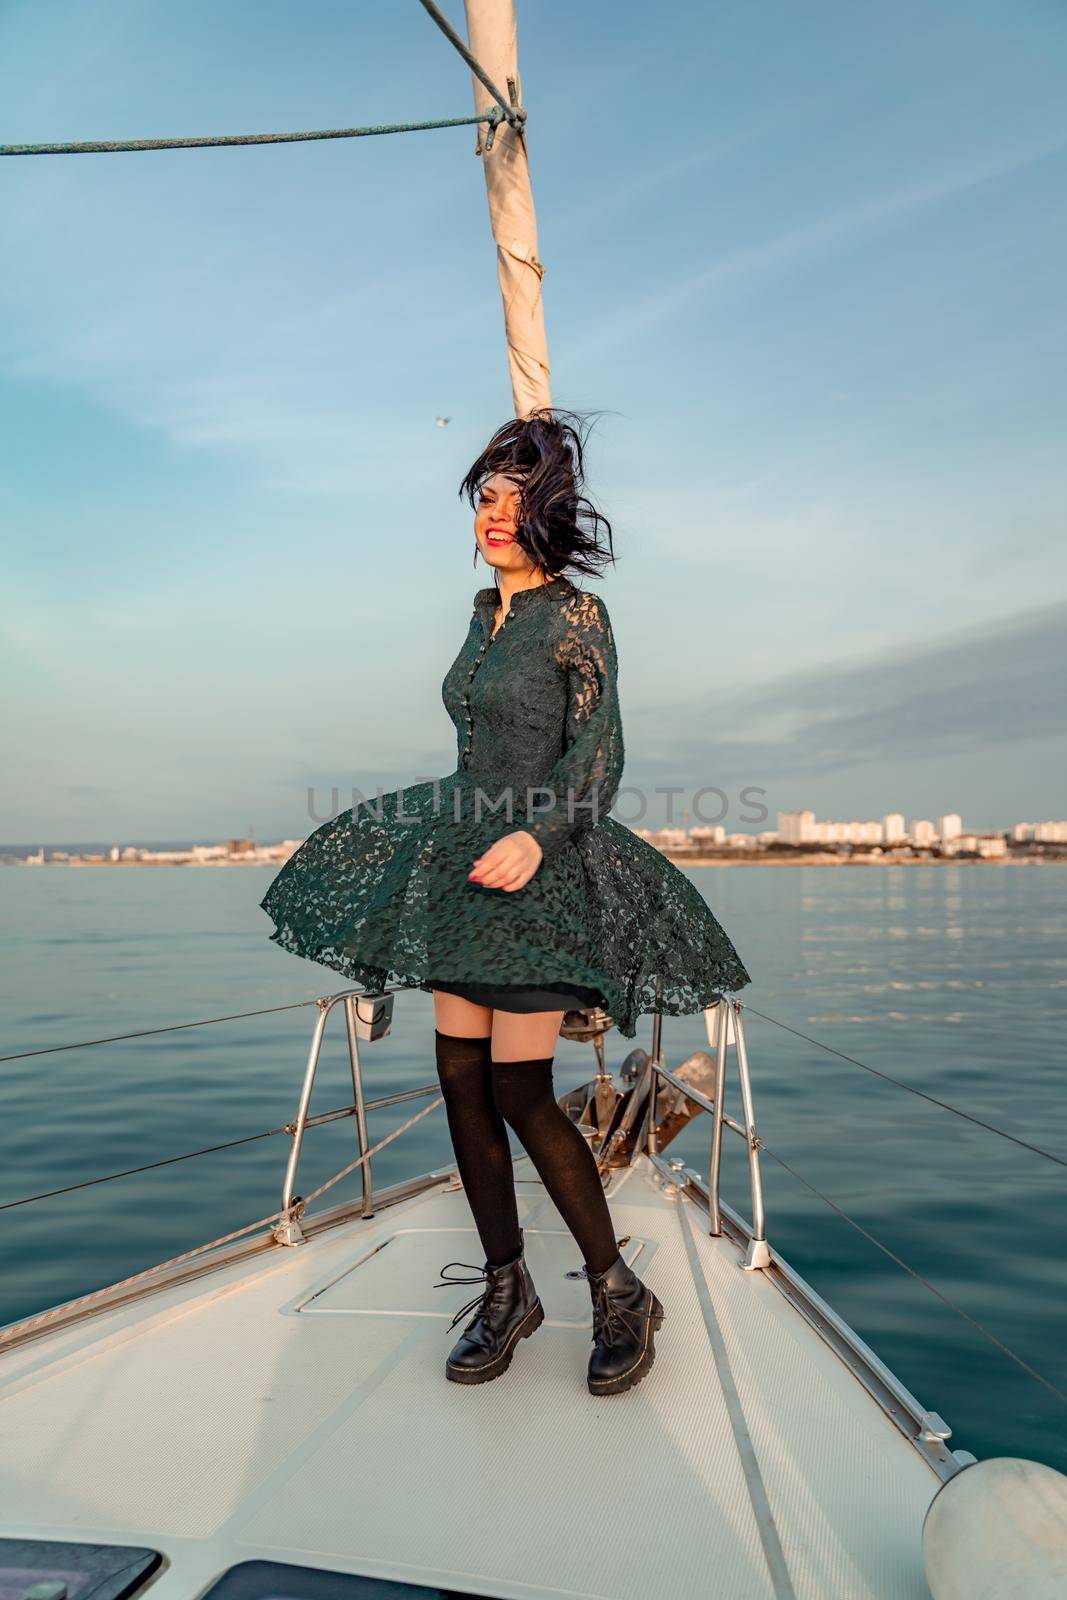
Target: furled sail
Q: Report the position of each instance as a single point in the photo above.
(493, 38)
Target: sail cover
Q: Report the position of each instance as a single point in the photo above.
(493, 38)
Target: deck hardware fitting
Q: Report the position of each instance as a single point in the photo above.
(757, 1256)
(289, 1232)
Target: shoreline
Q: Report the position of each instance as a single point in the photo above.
(816, 859)
(746, 858)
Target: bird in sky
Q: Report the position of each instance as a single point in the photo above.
(442, 422)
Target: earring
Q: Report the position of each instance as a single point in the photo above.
(474, 563)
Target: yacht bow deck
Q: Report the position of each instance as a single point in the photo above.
(292, 1405)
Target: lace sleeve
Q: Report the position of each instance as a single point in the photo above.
(582, 786)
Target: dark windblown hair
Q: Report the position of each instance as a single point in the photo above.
(558, 527)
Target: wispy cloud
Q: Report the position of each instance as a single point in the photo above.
(615, 197)
(827, 233)
(986, 689)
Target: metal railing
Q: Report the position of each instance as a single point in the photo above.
(725, 1025)
(367, 1016)
(725, 1028)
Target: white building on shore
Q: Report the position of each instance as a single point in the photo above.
(801, 828)
(795, 827)
(990, 846)
(1040, 833)
(709, 836)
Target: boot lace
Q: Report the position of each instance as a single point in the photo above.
(482, 1303)
(612, 1321)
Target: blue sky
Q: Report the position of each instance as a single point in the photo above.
(808, 261)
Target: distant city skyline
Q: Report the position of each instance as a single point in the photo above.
(798, 827)
(819, 305)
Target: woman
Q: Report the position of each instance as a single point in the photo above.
(507, 891)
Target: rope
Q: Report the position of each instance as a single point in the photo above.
(109, 147)
(967, 1116)
(29, 1324)
(145, 1033)
(992, 1338)
(352, 1165)
(514, 114)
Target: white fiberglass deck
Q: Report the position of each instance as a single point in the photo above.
(293, 1406)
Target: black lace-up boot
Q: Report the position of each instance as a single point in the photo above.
(626, 1315)
(507, 1310)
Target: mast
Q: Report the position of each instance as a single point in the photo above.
(493, 36)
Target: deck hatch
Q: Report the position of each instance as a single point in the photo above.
(55, 1570)
(397, 1277)
(278, 1580)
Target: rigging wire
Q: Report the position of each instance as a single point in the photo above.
(505, 110)
(965, 1315)
(494, 116)
(149, 1166)
(207, 1150)
(144, 1033)
(990, 1127)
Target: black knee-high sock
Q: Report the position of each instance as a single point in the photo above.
(567, 1167)
(480, 1141)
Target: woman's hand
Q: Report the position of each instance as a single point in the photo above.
(509, 863)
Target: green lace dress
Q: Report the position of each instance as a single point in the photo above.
(381, 894)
